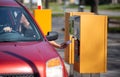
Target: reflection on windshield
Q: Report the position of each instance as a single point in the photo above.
(16, 25)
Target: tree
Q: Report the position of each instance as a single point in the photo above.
(59, 1)
(94, 6)
(31, 3)
(114, 1)
(81, 5)
(46, 4)
(81, 2)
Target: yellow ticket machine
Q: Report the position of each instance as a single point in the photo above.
(88, 51)
(69, 26)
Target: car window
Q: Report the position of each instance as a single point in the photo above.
(17, 25)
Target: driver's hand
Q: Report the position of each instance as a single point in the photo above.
(7, 29)
(63, 45)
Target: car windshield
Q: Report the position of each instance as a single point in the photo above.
(17, 25)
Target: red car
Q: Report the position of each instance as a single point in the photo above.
(24, 50)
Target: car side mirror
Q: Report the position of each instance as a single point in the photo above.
(52, 36)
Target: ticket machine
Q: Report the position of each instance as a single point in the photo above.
(88, 50)
(69, 33)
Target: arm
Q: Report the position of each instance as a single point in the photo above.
(25, 22)
(60, 46)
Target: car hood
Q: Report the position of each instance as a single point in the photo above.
(25, 57)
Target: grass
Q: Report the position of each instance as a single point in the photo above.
(115, 17)
(58, 15)
(72, 6)
(114, 30)
(112, 7)
(55, 7)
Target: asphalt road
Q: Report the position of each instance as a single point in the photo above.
(113, 62)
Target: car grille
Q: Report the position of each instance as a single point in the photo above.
(17, 75)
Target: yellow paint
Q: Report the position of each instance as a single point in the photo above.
(43, 18)
(93, 44)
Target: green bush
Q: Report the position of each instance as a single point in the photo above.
(110, 7)
(114, 30)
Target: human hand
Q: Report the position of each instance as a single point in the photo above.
(7, 29)
(64, 44)
(60, 46)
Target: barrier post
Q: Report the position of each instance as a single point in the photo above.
(43, 18)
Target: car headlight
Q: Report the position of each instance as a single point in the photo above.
(54, 68)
